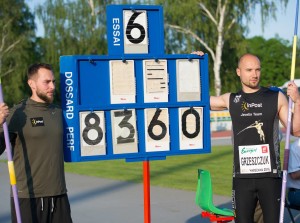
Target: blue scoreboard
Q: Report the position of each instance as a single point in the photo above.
(136, 102)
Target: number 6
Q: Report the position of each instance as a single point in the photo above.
(131, 25)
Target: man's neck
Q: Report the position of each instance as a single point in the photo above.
(249, 90)
(37, 99)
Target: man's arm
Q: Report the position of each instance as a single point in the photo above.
(293, 93)
(296, 119)
(218, 103)
(295, 175)
(283, 108)
(4, 111)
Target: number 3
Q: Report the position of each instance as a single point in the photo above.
(127, 114)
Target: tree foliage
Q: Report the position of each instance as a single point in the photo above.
(210, 25)
(275, 55)
(72, 28)
(17, 48)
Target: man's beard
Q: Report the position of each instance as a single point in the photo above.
(44, 97)
(251, 85)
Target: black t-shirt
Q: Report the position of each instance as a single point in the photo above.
(256, 133)
(37, 148)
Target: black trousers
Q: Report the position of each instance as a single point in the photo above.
(43, 210)
(246, 193)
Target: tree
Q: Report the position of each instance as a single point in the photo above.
(275, 55)
(16, 47)
(72, 28)
(209, 25)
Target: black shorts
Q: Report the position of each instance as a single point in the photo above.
(246, 192)
(43, 210)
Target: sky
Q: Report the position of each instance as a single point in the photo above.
(284, 25)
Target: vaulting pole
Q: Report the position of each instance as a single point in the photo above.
(11, 168)
(288, 129)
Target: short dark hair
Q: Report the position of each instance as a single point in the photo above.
(34, 68)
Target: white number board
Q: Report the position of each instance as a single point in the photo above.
(135, 31)
(122, 81)
(191, 132)
(92, 129)
(188, 80)
(157, 130)
(155, 81)
(124, 131)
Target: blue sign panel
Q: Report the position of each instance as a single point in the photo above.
(135, 29)
(135, 103)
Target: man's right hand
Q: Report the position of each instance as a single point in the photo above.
(4, 112)
(199, 53)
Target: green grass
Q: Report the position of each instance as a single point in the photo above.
(178, 172)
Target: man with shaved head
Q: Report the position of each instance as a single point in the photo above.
(255, 112)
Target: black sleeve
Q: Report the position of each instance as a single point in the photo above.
(2, 143)
(12, 138)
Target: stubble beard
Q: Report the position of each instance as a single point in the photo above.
(45, 97)
(251, 85)
(254, 86)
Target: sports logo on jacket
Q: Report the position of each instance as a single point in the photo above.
(39, 121)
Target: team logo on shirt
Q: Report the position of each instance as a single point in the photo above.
(237, 98)
(39, 121)
(246, 106)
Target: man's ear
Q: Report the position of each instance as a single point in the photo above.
(238, 71)
(30, 83)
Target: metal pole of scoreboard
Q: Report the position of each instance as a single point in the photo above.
(147, 208)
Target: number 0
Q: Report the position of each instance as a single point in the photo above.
(197, 124)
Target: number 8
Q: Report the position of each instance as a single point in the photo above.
(90, 126)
